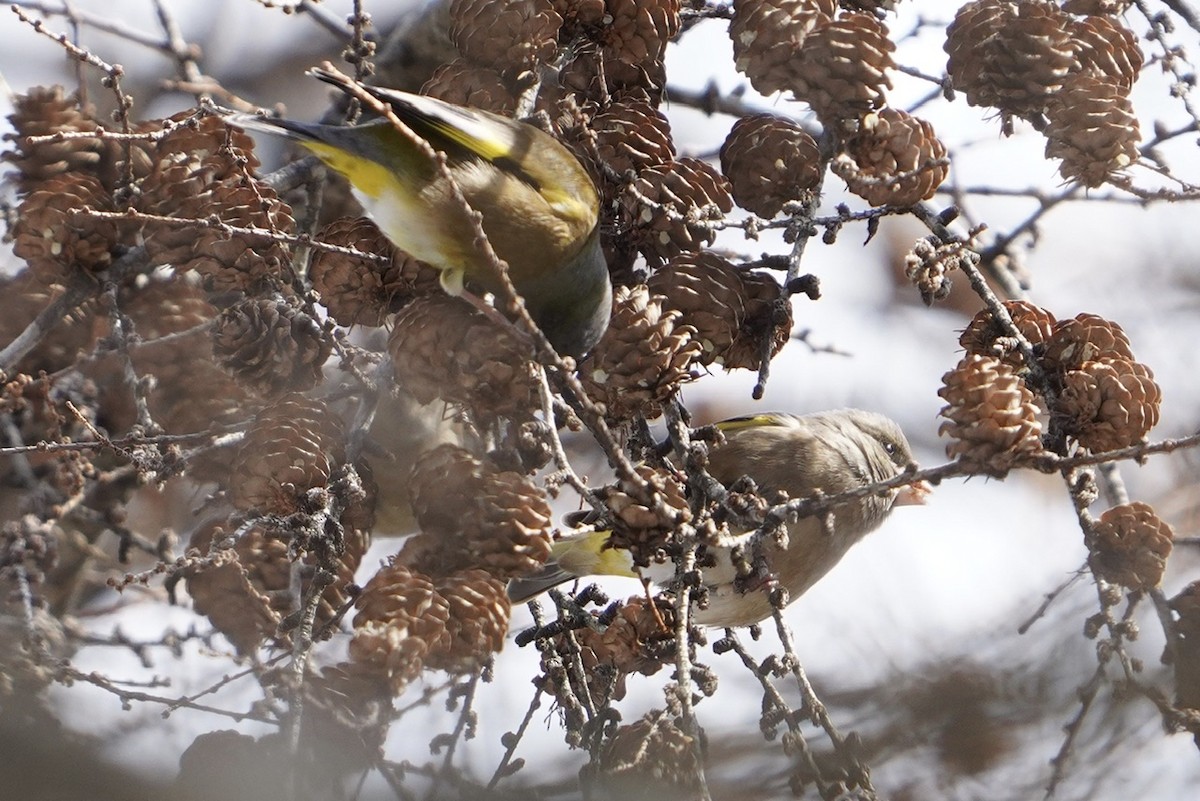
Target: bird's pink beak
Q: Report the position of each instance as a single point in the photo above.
(913, 494)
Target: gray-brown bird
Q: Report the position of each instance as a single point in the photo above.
(801, 455)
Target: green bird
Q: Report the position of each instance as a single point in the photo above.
(539, 208)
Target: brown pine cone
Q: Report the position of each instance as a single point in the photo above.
(708, 292)
(1085, 338)
(765, 317)
(510, 37)
(1092, 129)
(191, 392)
(646, 531)
(990, 414)
(639, 639)
(767, 35)
(893, 158)
(644, 356)
(670, 203)
(42, 111)
(623, 59)
(213, 147)
(293, 445)
(1109, 404)
(1010, 55)
(442, 347)
(475, 516)
(984, 336)
(45, 111)
(525, 447)
(842, 69)
(1130, 545)
(1108, 50)
(637, 32)
(466, 84)
(270, 344)
(596, 76)
(24, 298)
(53, 241)
(227, 262)
(194, 155)
(224, 593)
(401, 618)
(970, 64)
(929, 263)
(359, 291)
(769, 162)
(632, 135)
(579, 15)
(652, 757)
(581, 18)
(507, 533)
(184, 391)
(443, 480)
(479, 611)
(203, 171)
(246, 592)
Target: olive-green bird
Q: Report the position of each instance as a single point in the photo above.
(826, 452)
(539, 208)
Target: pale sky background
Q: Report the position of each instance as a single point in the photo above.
(940, 581)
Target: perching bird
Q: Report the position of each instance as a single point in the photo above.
(827, 452)
(539, 207)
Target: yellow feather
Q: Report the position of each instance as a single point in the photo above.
(589, 555)
(751, 421)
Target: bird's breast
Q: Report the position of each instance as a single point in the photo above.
(406, 221)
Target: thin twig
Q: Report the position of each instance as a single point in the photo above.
(508, 766)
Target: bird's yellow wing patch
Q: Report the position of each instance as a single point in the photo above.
(752, 421)
(489, 149)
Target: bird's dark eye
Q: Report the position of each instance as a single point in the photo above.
(890, 447)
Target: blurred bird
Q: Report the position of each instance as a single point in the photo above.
(538, 205)
(827, 452)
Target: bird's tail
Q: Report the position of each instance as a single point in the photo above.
(299, 131)
(527, 588)
(584, 554)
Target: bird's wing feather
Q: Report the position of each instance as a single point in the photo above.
(457, 132)
(756, 421)
(752, 447)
